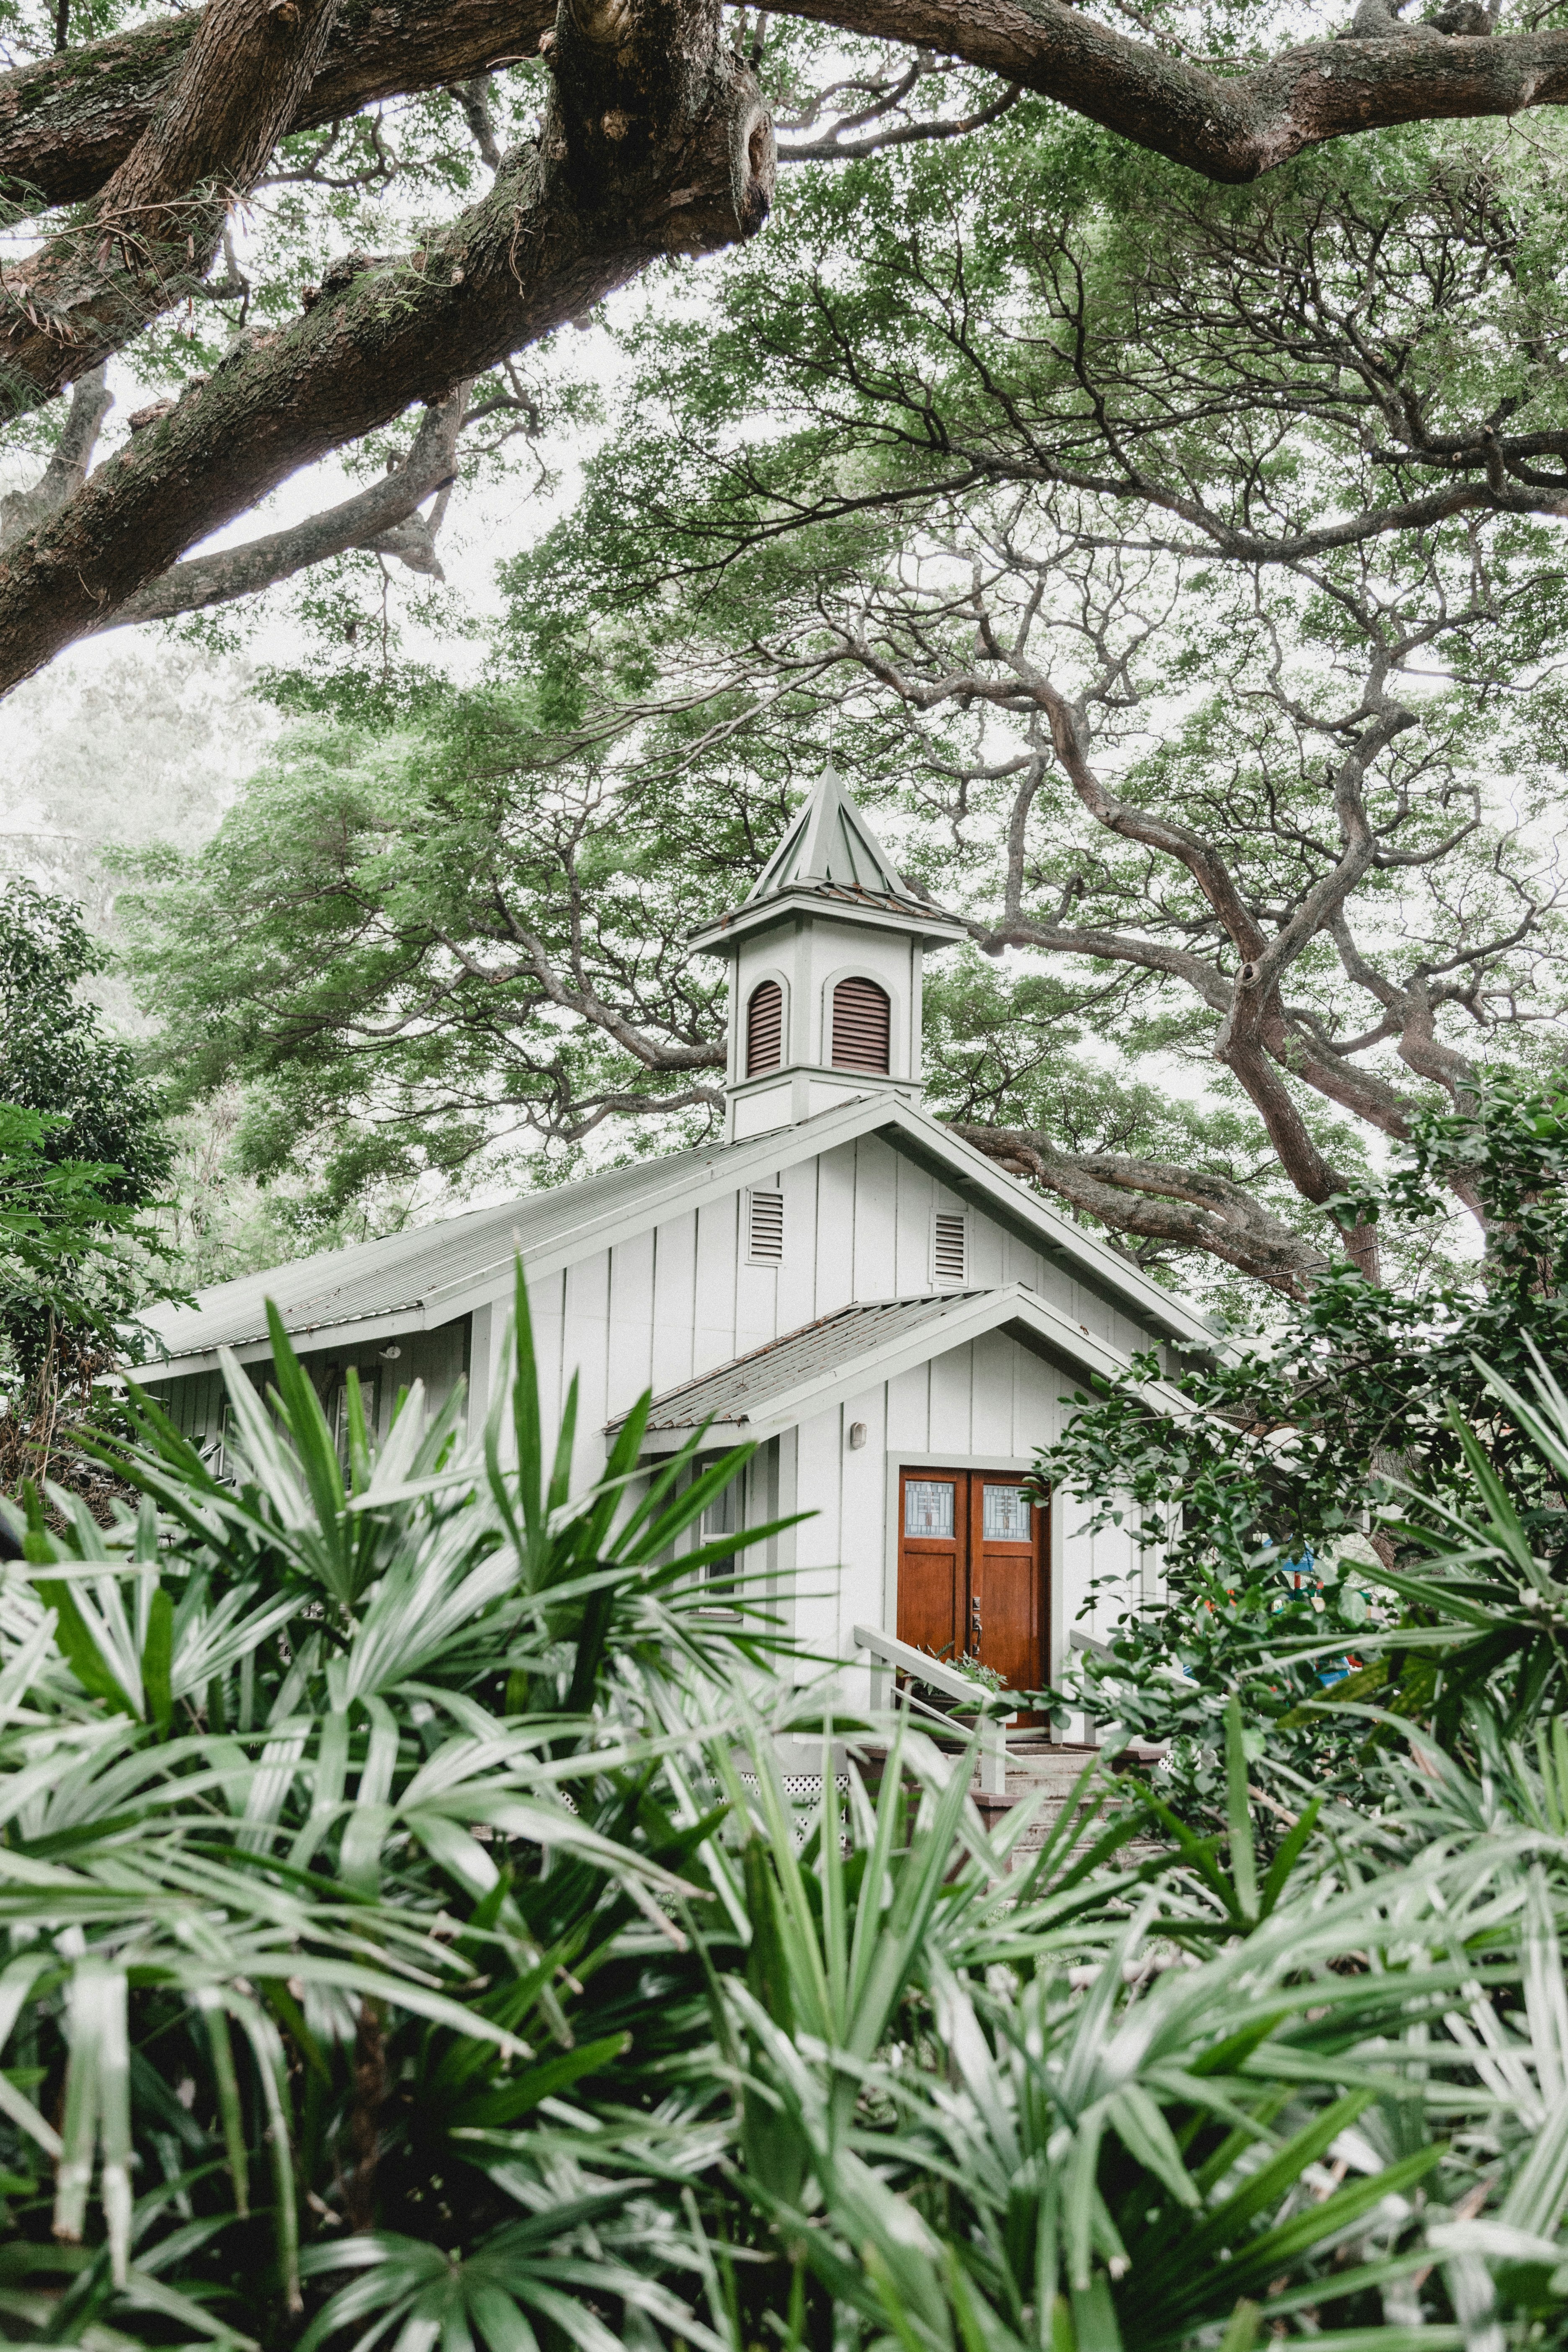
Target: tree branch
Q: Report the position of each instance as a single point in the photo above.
(679, 161)
(1228, 127)
(835, 150)
(22, 511)
(371, 519)
(68, 122)
(155, 225)
(1156, 1203)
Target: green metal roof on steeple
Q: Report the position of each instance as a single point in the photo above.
(830, 841)
(830, 859)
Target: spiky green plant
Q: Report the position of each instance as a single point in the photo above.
(409, 1941)
(334, 1818)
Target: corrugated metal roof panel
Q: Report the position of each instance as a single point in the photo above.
(408, 1271)
(736, 1392)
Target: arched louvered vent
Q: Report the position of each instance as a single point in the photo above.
(860, 1024)
(764, 1028)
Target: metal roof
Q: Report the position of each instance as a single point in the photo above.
(423, 1276)
(736, 1391)
(831, 861)
(830, 1362)
(830, 841)
(418, 1272)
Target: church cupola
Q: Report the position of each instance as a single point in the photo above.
(825, 962)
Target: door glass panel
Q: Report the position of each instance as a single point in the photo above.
(927, 1507)
(1007, 1515)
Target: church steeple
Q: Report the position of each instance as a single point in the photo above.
(825, 957)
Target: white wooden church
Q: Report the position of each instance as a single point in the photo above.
(895, 1323)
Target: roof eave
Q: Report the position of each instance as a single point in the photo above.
(722, 938)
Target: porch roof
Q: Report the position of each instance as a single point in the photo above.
(837, 1357)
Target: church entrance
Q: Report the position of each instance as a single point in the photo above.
(972, 1578)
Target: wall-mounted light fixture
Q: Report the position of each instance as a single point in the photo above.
(857, 1432)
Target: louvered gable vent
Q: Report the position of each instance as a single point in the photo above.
(765, 1236)
(950, 1252)
(764, 1028)
(860, 1025)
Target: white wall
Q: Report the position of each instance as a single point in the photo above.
(678, 1302)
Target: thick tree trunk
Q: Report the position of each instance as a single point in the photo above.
(657, 143)
(1231, 127)
(68, 122)
(154, 227)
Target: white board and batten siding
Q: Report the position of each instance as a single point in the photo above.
(835, 1194)
(859, 1222)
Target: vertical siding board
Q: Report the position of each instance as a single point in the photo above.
(547, 1310)
(909, 1411)
(630, 1357)
(1056, 1286)
(913, 1208)
(1036, 1414)
(992, 1427)
(876, 1220)
(794, 1283)
(988, 1252)
(863, 1530)
(713, 1305)
(951, 1415)
(835, 1231)
(586, 1326)
(674, 1297)
(818, 1546)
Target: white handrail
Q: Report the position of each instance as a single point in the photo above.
(890, 1657)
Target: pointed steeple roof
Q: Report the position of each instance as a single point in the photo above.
(830, 856)
(830, 841)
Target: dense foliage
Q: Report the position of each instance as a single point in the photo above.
(74, 1257)
(410, 1939)
(1039, 488)
(1292, 1492)
(83, 1156)
(56, 1056)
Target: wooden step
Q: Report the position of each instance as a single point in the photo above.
(1050, 1771)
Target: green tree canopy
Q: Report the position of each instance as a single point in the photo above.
(56, 1057)
(1120, 540)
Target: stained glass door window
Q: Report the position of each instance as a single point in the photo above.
(1007, 1515)
(928, 1506)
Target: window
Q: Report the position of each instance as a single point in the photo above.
(1007, 1515)
(722, 1517)
(927, 1507)
(764, 1244)
(764, 1028)
(861, 1016)
(949, 1247)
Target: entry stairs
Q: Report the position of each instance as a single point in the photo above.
(1015, 1763)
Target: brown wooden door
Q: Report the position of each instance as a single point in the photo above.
(972, 1571)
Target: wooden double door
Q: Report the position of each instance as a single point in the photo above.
(972, 1572)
